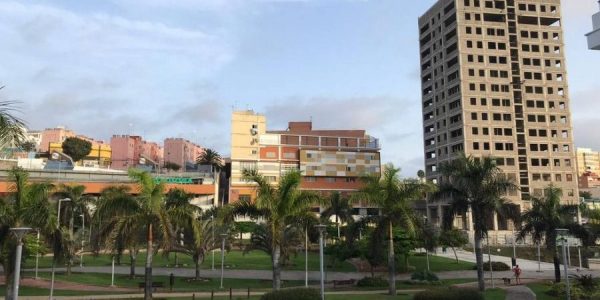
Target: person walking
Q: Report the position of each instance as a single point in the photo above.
(517, 272)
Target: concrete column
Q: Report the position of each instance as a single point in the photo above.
(440, 215)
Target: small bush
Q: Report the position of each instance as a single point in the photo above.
(372, 282)
(293, 294)
(424, 276)
(449, 294)
(497, 265)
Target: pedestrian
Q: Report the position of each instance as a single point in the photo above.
(517, 272)
(171, 281)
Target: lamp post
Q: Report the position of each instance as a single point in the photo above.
(514, 258)
(539, 257)
(321, 229)
(112, 274)
(19, 232)
(82, 239)
(490, 260)
(223, 236)
(54, 258)
(306, 257)
(561, 235)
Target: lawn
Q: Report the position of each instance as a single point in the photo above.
(436, 263)
(34, 291)
(181, 284)
(495, 294)
(540, 289)
(254, 260)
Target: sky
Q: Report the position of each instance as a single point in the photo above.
(163, 68)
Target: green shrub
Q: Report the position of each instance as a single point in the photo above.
(293, 294)
(372, 282)
(497, 265)
(449, 294)
(424, 276)
(560, 290)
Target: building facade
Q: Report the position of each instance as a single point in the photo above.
(593, 38)
(54, 135)
(588, 160)
(494, 82)
(99, 156)
(330, 160)
(181, 152)
(126, 151)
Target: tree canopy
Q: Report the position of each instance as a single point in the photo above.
(76, 148)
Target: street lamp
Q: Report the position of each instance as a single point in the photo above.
(212, 225)
(321, 229)
(19, 232)
(82, 239)
(561, 236)
(37, 255)
(223, 236)
(53, 257)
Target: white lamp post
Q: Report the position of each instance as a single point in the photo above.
(37, 255)
(561, 235)
(212, 225)
(321, 229)
(223, 236)
(306, 257)
(19, 232)
(54, 258)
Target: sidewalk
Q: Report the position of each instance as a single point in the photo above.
(525, 265)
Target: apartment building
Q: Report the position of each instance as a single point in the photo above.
(593, 38)
(330, 160)
(588, 160)
(54, 135)
(181, 152)
(494, 82)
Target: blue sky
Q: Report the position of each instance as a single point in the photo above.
(165, 68)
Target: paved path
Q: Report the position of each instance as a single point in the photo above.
(519, 292)
(524, 264)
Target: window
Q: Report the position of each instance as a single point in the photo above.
(330, 179)
(271, 155)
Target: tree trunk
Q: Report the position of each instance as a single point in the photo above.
(556, 266)
(148, 273)
(276, 267)
(197, 275)
(132, 260)
(391, 263)
(479, 260)
(455, 255)
(8, 279)
(71, 248)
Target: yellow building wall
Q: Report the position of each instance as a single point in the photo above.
(100, 152)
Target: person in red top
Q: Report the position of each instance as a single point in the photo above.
(517, 272)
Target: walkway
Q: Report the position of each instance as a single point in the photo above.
(524, 264)
(519, 292)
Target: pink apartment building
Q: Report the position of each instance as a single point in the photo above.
(128, 149)
(181, 151)
(54, 135)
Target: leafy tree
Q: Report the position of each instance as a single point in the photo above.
(244, 227)
(453, 238)
(282, 208)
(26, 205)
(585, 194)
(404, 243)
(371, 250)
(28, 146)
(476, 185)
(146, 211)
(544, 217)
(339, 207)
(76, 148)
(428, 238)
(172, 166)
(394, 197)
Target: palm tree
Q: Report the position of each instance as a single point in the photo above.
(394, 198)
(339, 207)
(544, 217)
(196, 228)
(76, 207)
(476, 185)
(27, 205)
(12, 128)
(118, 234)
(146, 211)
(280, 207)
(213, 159)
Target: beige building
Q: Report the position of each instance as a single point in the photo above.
(494, 82)
(587, 161)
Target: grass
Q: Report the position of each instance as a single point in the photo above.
(495, 294)
(255, 260)
(328, 297)
(181, 284)
(34, 291)
(436, 263)
(540, 289)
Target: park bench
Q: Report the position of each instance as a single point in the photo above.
(337, 283)
(155, 285)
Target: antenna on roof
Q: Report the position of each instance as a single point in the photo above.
(311, 119)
